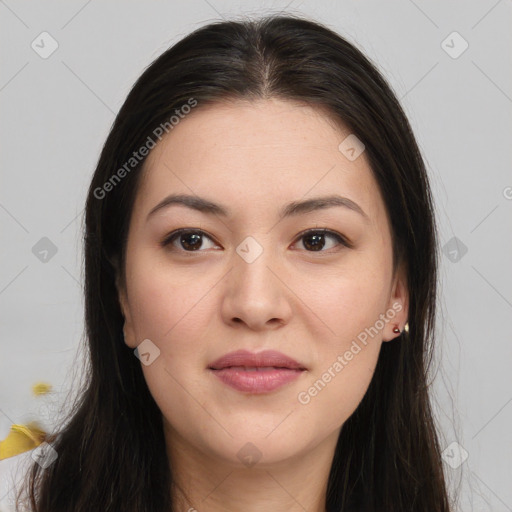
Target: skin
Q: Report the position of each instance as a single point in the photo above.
(195, 306)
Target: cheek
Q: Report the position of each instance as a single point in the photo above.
(346, 356)
(346, 360)
(171, 310)
(338, 388)
(348, 302)
(161, 298)
(174, 310)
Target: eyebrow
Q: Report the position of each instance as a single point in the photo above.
(292, 209)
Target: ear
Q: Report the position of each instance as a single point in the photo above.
(398, 307)
(128, 330)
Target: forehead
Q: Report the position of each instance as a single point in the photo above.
(260, 153)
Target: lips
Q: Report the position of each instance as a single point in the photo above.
(248, 360)
(256, 373)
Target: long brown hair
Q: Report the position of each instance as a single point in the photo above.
(111, 451)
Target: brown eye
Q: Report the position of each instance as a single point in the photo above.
(315, 240)
(188, 240)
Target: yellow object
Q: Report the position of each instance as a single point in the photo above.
(21, 438)
(41, 388)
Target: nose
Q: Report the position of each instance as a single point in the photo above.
(256, 294)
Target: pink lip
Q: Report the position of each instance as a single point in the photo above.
(256, 373)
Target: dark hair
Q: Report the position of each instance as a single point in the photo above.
(111, 454)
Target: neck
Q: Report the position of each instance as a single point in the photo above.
(203, 482)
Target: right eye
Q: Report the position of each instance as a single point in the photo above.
(190, 240)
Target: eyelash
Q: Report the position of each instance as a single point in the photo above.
(322, 231)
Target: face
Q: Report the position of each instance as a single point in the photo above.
(254, 275)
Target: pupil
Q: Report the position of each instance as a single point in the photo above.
(318, 244)
(193, 245)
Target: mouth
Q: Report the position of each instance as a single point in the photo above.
(256, 373)
(260, 360)
(253, 368)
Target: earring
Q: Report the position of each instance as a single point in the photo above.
(397, 330)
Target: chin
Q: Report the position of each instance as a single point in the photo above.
(259, 453)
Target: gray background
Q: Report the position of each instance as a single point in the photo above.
(55, 116)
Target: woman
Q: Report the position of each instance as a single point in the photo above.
(260, 285)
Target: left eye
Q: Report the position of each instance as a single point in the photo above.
(191, 240)
(317, 238)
